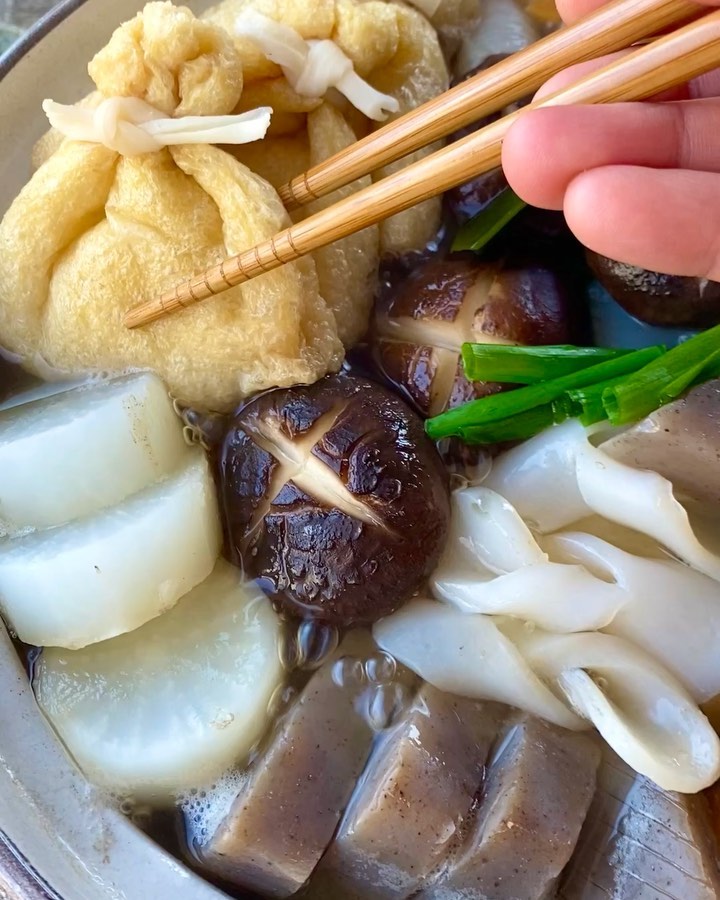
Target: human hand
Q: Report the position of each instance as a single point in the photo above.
(638, 182)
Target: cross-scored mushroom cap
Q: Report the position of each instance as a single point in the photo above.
(334, 498)
(420, 326)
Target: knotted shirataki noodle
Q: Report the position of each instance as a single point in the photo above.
(494, 565)
(599, 625)
(313, 67)
(573, 680)
(397, 52)
(131, 126)
(592, 482)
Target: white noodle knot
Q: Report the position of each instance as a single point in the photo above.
(569, 582)
(559, 477)
(573, 680)
(132, 127)
(596, 625)
(313, 67)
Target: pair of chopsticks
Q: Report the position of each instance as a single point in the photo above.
(664, 63)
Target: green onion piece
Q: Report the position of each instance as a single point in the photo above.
(697, 374)
(515, 428)
(528, 365)
(565, 408)
(587, 404)
(488, 222)
(664, 379)
(502, 406)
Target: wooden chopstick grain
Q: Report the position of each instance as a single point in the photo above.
(670, 60)
(612, 27)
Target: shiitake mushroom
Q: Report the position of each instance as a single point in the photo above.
(657, 299)
(420, 326)
(334, 499)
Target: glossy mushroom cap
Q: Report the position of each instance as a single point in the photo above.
(657, 299)
(334, 498)
(419, 328)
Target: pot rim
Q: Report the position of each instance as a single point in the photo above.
(19, 874)
(32, 37)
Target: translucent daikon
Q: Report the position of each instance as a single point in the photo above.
(75, 452)
(176, 702)
(111, 572)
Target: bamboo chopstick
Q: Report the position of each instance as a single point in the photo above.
(612, 27)
(665, 63)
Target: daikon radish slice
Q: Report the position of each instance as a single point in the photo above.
(109, 573)
(175, 703)
(76, 452)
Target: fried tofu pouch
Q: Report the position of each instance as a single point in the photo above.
(391, 45)
(93, 233)
(347, 269)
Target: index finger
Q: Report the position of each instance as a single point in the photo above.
(572, 10)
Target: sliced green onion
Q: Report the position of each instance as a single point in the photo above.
(528, 365)
(586, 403)
(502, 406)
(665, 378)
(483, 227)
(515, 428)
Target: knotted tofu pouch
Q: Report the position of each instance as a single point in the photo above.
(95, 231)
(346, 269)
(393, 47)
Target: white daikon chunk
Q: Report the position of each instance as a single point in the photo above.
(109, 573)
(79, 451)
(175, 703)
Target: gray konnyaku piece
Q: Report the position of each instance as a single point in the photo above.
(286, 812)
(413, 799)
(642, 842)
(539, 786)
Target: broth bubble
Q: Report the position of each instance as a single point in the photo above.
(204, 808)
(127, 806)
(289, 650)
(380, 668)
(383, 703)
(142, 817)
(315, 642)
(348, 671)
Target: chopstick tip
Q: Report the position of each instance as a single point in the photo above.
(142, 314)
